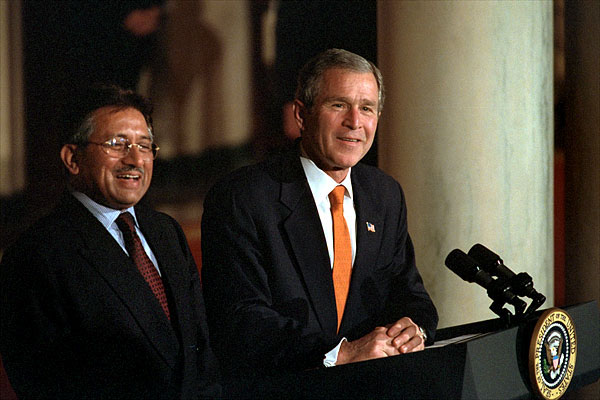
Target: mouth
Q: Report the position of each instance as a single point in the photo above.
(349, 140)
(128, 177)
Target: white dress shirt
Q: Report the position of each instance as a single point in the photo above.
(321, 185)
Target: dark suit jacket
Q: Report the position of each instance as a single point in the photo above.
(79, 321)
(266, 272)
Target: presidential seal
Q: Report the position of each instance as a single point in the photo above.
(552, 354)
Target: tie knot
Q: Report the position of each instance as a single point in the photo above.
(125, 222)
(336, 197)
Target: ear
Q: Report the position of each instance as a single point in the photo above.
(300, 112)
(69, 157)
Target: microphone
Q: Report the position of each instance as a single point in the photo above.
(498, 290)
(465, 267)
(490, 261)
(522, 283)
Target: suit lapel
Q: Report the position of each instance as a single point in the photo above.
(106, 256)
(307, 240)
(367, 208)
(171, 263)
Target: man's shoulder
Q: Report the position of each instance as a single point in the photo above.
(373, 176)
(144, 211)
(148, 216)
(57, 220)
(54, 235)
(261, 178)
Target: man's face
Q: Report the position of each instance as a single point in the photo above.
(116, 182)
(340, 127)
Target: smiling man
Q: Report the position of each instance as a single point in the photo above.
(307, 260)
(102, 298)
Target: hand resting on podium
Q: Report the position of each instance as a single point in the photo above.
(403, 336)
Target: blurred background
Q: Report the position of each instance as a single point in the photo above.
(218, 72)
(491, 124)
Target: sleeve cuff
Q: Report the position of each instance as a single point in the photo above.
(331, 356)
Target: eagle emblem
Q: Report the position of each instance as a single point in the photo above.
(554, 354)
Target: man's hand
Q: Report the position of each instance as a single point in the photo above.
(376, 344)
(406, 336)
(401, 337)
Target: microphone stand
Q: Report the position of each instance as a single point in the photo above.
(499, 291)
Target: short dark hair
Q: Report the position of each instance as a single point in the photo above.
(309, 78)
(98, 96)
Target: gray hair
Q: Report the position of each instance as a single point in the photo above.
(100, 96)
(86, 128)
(310, 76)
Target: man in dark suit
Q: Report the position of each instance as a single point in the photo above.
(284, 290)
(102, 298)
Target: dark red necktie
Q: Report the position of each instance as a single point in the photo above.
(134, 247)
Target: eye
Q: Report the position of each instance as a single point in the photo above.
(367, 109)
(144, 147)
(117, 143)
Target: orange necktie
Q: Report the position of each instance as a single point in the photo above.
(342, 251)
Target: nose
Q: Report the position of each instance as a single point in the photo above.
(352, 118)
(135, 157)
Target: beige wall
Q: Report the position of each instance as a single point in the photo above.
(467, 130)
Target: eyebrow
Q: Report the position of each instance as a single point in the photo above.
(123, 135)
(342, 99)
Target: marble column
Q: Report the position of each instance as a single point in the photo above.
(467, 130)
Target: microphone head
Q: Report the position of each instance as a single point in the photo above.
(485, 257)
(462, 265)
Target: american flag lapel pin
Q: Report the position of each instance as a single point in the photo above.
(370, 227)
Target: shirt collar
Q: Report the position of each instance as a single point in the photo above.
(105, 215)
(322, 184)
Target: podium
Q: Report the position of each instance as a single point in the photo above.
(483, 360)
